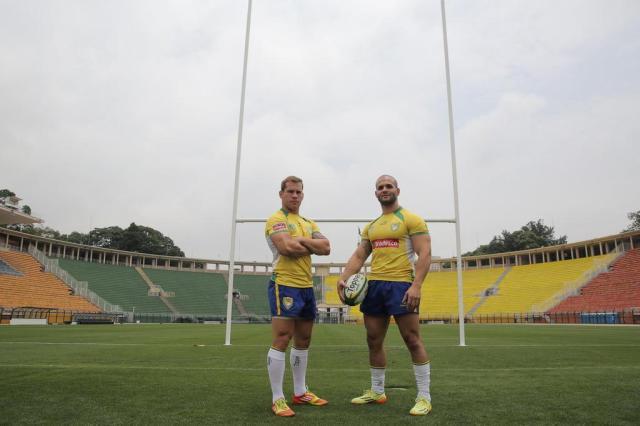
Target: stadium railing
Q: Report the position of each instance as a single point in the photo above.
(607, 316)
(58, 316)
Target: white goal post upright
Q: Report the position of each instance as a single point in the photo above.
(235, 220)
(454, 173)
(234, 215)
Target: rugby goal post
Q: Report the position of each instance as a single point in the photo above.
(235, 220)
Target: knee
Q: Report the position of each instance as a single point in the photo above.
(414, 343)
(302, 342)
(374, 342)
(281, 340)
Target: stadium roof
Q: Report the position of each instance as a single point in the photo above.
(10, 216)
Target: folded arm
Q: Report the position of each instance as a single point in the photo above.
(288, 245)
(317, 244)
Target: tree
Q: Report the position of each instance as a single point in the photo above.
(532, 235)
(148, 240)
(26, 210)
(137, 238)
(76, 237)
(6, 193)
(634, 217)
(108, 237)
(41, 231)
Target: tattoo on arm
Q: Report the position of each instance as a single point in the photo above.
(366, 246)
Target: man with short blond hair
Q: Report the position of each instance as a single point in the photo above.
(292, 239)
(292, 179)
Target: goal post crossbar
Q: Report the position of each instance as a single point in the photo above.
(353, 220)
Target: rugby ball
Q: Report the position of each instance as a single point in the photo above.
(355, 290)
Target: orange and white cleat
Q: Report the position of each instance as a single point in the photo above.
(281, 409)
(309, 398)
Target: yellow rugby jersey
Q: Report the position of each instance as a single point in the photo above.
(390, 238)
(290, 271)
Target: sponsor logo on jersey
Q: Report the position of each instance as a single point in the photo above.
(395, 227)
(386, 243)
(292, 227)
(279, 226)
(287, 302)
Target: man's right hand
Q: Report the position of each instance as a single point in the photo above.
(340, 286)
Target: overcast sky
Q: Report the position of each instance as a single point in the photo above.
(114, 112)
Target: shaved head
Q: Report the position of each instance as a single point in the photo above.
(387, 191)
(395, 182)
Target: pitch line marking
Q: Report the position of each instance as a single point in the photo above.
(359, 370)
(321, 346)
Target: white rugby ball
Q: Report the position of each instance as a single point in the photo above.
(355, 290)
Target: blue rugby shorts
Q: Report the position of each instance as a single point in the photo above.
(291, 302)
(384, 298)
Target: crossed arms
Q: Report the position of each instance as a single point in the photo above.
(301, 246)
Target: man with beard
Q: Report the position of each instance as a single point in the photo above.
(395, 282)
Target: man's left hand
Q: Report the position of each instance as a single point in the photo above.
(412, 298)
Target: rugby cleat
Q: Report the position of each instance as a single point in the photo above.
(281, 409)
(370, 396)
(422, 407)
(309, 398)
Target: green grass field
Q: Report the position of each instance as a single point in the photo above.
(158, 374)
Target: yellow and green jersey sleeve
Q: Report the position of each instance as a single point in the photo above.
(290, 271)
(393, 256)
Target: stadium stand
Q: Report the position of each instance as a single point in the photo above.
(526, 286)
(119, 285)
(521, 287)
(8, 270)
(158, 291)
(253, 292)
(617, 289)
(35, 288)
(195, 292)
(507, 286)
(330, 294)
(440, 291)
(317, 287)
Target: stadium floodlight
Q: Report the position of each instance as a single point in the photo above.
(235, 220)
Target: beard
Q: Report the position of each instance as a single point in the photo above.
(388, 202)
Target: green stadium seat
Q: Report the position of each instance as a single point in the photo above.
(118, 285)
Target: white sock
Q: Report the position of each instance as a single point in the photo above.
(377, 379)
(275, 366)
(298, 359)
(423, 379)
